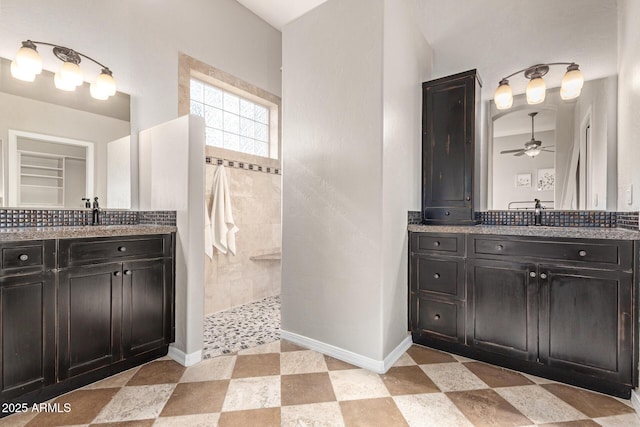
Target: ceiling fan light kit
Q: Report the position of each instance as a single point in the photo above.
(531, 148)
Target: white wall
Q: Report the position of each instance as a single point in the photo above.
(406, 64)
(628, 103)
(351, 159)
(140, 41)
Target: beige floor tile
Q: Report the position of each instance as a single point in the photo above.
(578, 423)
(372, 412)
(266, 417)
(196, 398)
(300, 389)
(118, 380)
(495, 376)
(404, 360)
(200, 420)
(302, 362)
(136, 423)
(462, 358)
(256, 365)
(136, 403)
(430, 410)
(539, 405)
(357, 384)
(326, 414)
(252, 393)
(216, 368)
(628, 420)
(272, 347)
(452, 377)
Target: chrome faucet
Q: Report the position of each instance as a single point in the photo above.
(538, 212)
(96, 212)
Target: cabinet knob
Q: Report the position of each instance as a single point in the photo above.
(436, 317)
(532, 274)
(499, 247)
(23, 257)
(127, 272)
(117, 273)
(468, 198)
(122, 249)
(436, 276)
(582, 253)
(543, 275)
(447, 213)
(436, 244)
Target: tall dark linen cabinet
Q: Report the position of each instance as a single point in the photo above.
(449, 131)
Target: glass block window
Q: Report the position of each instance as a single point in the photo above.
(231, 121)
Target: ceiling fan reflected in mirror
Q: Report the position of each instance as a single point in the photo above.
(531, 148)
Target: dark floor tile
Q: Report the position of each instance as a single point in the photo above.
(423, 355)
(337, 365)
(269, 417)
(408, 380)
(196, 398)
(159, 372)
(137, 423)
(256, 365)
(302, 389)
(591, 404)
(289, 346)
(578, 423)
(83, 406)
(372, 412)
(497, 377)
(487, 408)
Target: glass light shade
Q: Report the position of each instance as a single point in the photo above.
(532, 152)
(536, 91)
(71, 73)
(29, 61)
(20, 74)
(572, 83)
(105, 83)
(503, 97)
(97, 93)
(63, 83)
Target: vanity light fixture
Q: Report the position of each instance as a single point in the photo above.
(536, 89)
(28, 64)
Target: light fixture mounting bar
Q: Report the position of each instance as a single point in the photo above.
(62, 52)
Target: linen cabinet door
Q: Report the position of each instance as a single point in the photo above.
(503, 308)
(147, 305)
(89, 318)
(585, 321)
(27, 325)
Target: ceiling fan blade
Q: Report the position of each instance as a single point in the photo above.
(520, 154)
(548, 151)
(547, 146)
(512, 151)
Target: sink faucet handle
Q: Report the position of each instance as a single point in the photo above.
(87, 202)
(96, 204)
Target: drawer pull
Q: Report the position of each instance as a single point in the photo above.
(499, 247)
(117, 273)
(122, 249)
(23, 257)
(436, 244)
(582, 253)
(127, 272)
(436, 276)
(532, 274)
(543, 276)
(436, 317)
(447, 213)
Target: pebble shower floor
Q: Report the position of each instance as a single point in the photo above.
(242, 327)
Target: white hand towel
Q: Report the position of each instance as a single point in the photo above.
(223, 228)
(208, 242)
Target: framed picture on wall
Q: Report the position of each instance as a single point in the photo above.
(546, 179)
(523, 180)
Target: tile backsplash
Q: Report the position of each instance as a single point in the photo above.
(80, 217)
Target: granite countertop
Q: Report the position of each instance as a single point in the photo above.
(534, 231)
(39, 233)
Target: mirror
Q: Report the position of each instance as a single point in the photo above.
(58, 147)
(568, 164)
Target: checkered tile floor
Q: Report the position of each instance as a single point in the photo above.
(282, 384)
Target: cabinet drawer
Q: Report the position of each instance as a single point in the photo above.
(439, 275)
(441, 317)
(75, 252)
(445, 244)
(607, 252)
(449, 215)
(27, 257)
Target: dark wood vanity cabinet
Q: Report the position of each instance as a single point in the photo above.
(557, 308)
(449, 125)
(101, 306)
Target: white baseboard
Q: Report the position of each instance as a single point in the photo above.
(377, 366)
(635, 401)
(184, 359)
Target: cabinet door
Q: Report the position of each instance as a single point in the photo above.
(147, 305)
(89, 318)
(503, 308)
(27, 325)
(585, 321)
